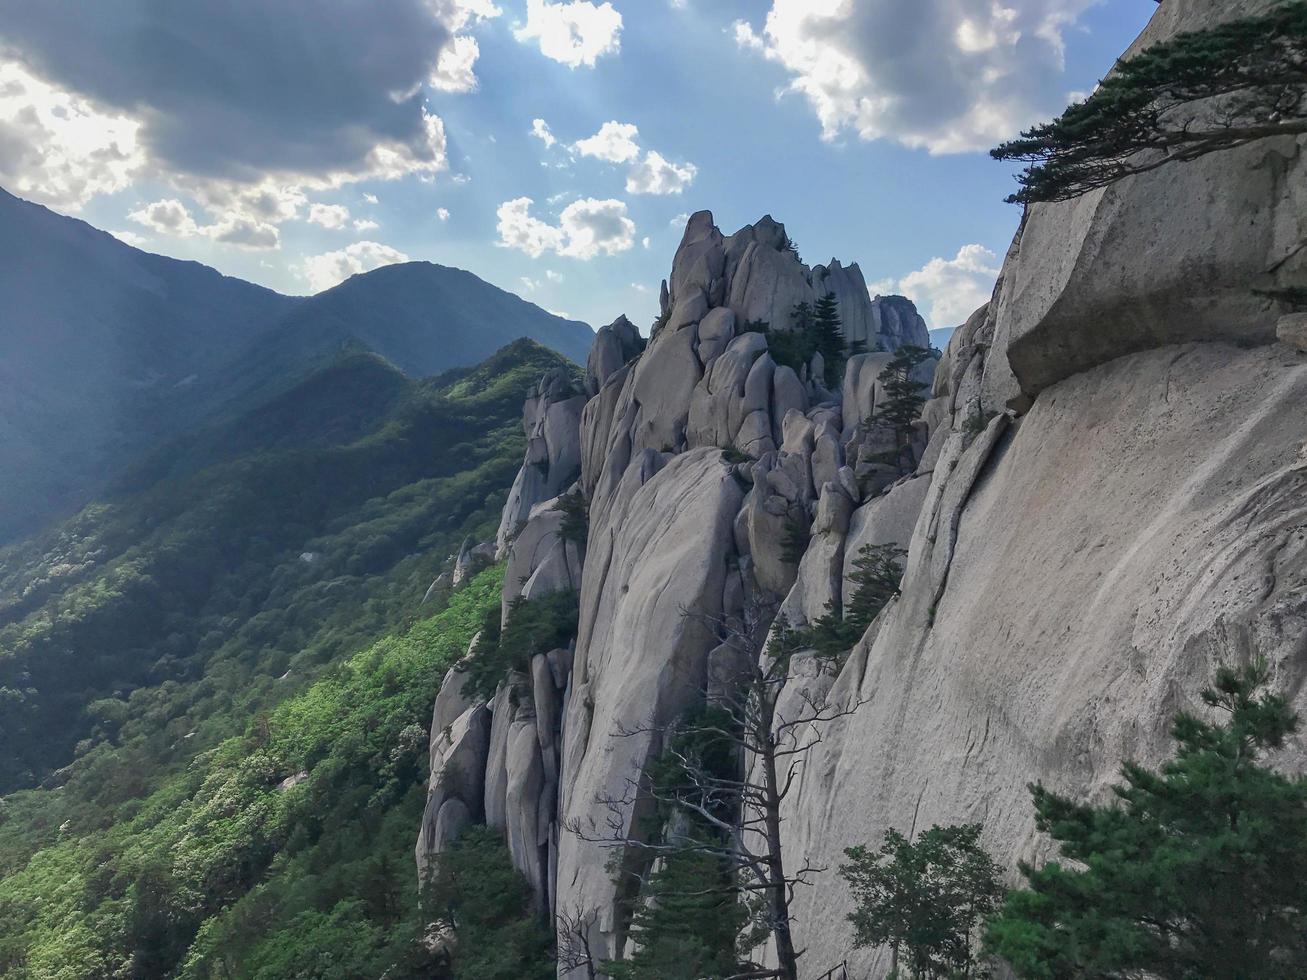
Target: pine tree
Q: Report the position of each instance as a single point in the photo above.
(904, 396)
(1196, 93)
(476, 892)
(828, 333)
(1197, 870)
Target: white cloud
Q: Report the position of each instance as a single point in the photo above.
(442, 214)
(574, 33)
(947, 291)
(944, 75)
(639, 287)
(454, 70)
(334, 216)
(585, 229)
(529, 284)
(618, 142)
(553, 276)
(87, 106)
(657, 175)
(647, 242)
(331, 268)
(615, 142)
(365, 224)
(130, 238)
(370, 198)
(59, 148)
(168, 217)
(681, 220)
(247, 232)
(540, 130)
(171, 217)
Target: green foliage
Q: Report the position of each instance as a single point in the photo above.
(812, 330)
(876, 577)
(1147, 113)
(227, 870)
(925, 899)
(186, 599)
(576, 518)
(533, 626)
(794, 541)
(904, 397)
(1197, 870)
(685, 925)
(476, 891)
(732, 456)
(688, 915)
(978, 422)
(230, 787)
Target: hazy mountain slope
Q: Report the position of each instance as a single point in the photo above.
(422, 317)
(95, 336)
(107, 351)
(202, 550)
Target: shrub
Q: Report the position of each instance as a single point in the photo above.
(533, 626)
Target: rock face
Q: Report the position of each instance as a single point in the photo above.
(1087, 282)
(1063, 626)
(1105, 496)
(551, 419)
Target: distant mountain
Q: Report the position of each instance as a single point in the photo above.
(423, 318)
(940, 338)
(107, 351)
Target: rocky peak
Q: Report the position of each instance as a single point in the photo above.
(761, 279)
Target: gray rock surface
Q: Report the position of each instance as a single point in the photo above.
(1060, 629)
(1089, 282)
(664, 552)
(552, 421)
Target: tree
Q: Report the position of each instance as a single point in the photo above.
(735, 810)
(1196, 93)
(828, 331)
(903, 393)
(477, 893)
(1196, 870)
(686, 923)
(877, 575)
(926, 897)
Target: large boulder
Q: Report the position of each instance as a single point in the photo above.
(1190, 251)
(552, 421)
(657, 574)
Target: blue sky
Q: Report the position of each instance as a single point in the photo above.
(293, 146)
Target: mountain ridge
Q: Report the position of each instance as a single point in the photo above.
(107, 350)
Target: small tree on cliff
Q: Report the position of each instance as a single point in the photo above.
(925, 898)
(734, 810)
(1198, 870)
(1196, 93)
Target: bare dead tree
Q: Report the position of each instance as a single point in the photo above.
(574, 952)
(760, 712)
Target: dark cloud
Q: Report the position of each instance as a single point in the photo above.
(235, 89)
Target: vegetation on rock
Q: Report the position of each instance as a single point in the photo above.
(1196, 870)
(925, 899)
(1191, 95)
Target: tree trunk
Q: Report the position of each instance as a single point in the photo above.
(778, 902)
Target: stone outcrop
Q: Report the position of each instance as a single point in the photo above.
(1104, 497)
(705, 466)
(1088, 283)
(551, 419)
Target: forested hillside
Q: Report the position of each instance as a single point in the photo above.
(217, 681)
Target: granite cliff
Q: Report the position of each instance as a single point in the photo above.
(1103, 498)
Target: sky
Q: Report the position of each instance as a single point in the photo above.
(552, 147)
